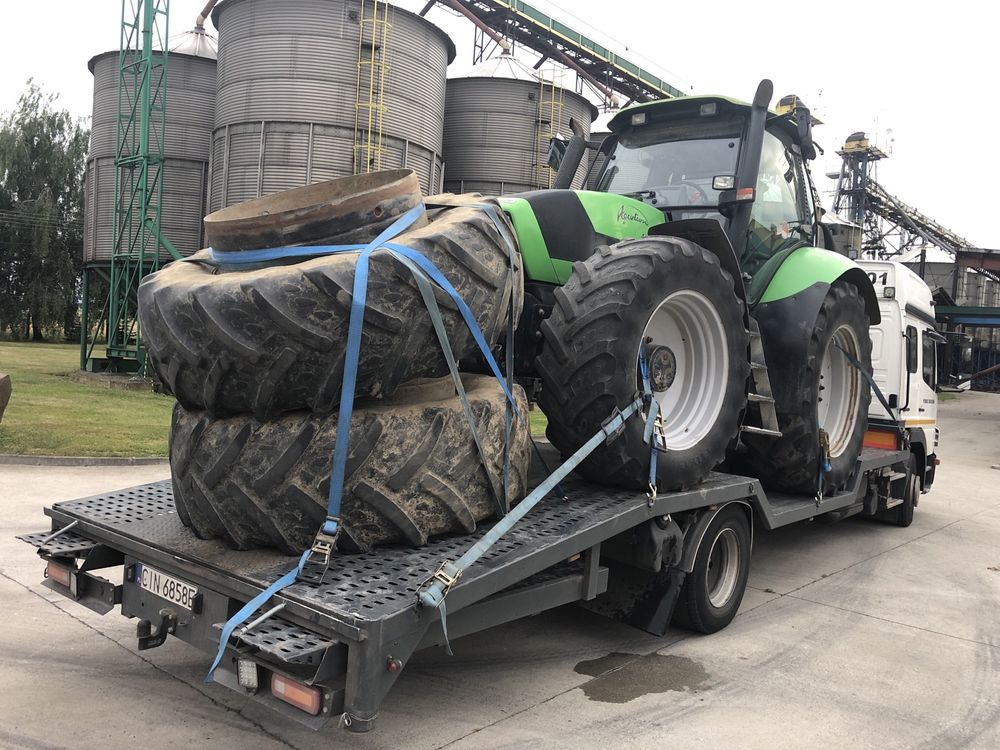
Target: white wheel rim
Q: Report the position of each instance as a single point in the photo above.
(688, 324)
(839, 399)
(723, 568)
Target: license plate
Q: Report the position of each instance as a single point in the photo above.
(167, 587)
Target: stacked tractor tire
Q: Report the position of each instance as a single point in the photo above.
(255, 356)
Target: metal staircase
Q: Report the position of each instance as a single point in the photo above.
(760, 393)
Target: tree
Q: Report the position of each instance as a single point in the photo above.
(42, 157)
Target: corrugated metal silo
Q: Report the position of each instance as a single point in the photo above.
(188, 133)
(497, 125)
(288, 93)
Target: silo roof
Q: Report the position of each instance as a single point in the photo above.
(197, 43)
(217, 13)
(504, 66)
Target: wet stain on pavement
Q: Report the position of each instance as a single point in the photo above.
(620, 678)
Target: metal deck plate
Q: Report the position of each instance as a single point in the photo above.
(373, 585)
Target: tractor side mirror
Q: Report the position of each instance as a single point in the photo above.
(723, 182)
(803, 121)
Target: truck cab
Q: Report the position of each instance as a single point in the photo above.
(904, 364)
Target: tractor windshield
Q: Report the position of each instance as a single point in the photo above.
(671, 164)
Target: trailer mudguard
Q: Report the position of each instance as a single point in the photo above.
(557, 227)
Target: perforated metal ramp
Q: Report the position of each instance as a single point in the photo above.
(381, 585)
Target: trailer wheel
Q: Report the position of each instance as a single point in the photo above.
(672, 297)
(713, 590)
(902, 514)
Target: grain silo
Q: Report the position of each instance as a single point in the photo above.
(310, 90)
(497, 125)
(190, 92)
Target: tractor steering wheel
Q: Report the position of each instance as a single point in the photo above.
(697, 194)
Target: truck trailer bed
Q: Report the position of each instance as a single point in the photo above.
(351, 628)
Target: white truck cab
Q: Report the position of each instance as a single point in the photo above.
(904, 363)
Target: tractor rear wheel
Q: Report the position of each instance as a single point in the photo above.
(672, 297)
(834, 400)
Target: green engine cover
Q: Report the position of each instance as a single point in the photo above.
(557, 227)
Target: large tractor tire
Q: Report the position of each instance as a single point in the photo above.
(674, 296)
(832, 397)
(413, 470)
(269, 340)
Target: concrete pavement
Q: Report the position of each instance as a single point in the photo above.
(854, 634)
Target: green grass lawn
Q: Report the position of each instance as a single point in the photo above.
(50, 415)
(538, 422)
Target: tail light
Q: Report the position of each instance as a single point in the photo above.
(295, 693)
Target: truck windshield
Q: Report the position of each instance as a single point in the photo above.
(673, 163)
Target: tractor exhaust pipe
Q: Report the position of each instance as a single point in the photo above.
(746, 172)
(575, 150)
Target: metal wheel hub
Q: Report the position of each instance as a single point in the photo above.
(840, 388)
(723, 569)
(687, 347)
(662, 368)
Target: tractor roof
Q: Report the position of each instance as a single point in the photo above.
(690, 106)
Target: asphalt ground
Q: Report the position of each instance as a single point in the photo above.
(854, 634)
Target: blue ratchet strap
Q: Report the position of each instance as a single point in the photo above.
(331, 526)
(359, 295)
(652, 411)
(437, 587)
(504, 232)
(430, 302)
(438, 278)
(249, 608)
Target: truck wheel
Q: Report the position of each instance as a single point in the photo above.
(834, 399)
(713, 590)
(673, 296)
(269, 340)
(413, 470)
(902, 514)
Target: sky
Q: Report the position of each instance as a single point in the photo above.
(918, 77)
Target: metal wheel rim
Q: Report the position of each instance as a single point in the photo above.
(839, 399)
(688, 323)
(723, 568)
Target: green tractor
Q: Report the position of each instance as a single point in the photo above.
(702, 253)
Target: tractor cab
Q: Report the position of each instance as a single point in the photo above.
(719, 158)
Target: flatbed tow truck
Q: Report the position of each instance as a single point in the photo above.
(331, 645)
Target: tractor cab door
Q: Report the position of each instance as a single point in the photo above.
(783, 212)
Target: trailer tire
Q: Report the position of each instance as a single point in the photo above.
(268, 340)
(902, 514)
(714, 588)
(791, 463)
(674, 295)
(413, 470)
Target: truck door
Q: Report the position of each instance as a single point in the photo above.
(925, 390)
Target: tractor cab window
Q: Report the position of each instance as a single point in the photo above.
(778, 218)
(671, 165)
